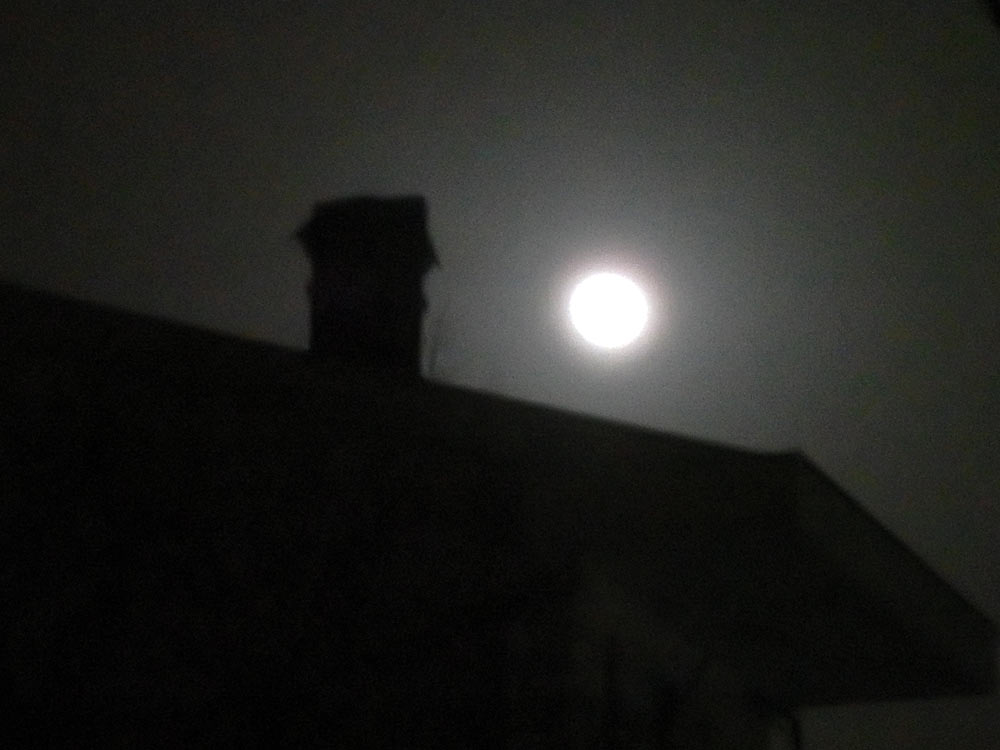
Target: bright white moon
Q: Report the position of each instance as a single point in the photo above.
(609, 310)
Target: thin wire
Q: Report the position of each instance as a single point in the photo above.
(794, 730)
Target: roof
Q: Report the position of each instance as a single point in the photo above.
(759, 558)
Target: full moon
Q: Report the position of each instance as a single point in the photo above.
(608, 309)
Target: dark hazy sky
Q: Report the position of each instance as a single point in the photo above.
(812, 190)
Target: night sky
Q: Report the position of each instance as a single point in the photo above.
(810, 190)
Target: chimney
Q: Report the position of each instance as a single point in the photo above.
(369, 256)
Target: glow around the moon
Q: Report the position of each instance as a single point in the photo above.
(608, 309)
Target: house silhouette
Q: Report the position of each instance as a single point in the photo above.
(221, 542)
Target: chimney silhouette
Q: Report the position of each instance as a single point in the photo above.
(369, 256)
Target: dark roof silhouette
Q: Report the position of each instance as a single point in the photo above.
(217, 529)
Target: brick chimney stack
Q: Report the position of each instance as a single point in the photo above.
(369, 256)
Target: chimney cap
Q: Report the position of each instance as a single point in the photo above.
(376, 231)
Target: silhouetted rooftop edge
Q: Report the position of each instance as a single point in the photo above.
(816, 589)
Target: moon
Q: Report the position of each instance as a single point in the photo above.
(609, 310)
